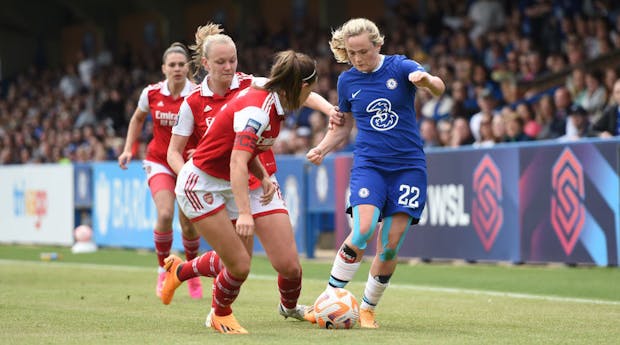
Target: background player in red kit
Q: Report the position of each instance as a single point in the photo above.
(217, 54)
(212, 187)
(163, 100)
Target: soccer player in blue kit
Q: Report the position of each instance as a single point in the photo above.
(388, 176)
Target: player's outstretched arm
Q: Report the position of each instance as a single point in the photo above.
(317, 102)
(133, 133)
(423, 79)
(333, 137)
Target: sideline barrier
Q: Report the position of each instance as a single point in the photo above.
(123, 213)
(528, 202)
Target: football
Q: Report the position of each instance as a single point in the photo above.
(336, 308)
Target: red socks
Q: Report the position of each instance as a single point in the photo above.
(208, 265)
(225, 291)
(289, 291)
(191, 247)
(163, 243)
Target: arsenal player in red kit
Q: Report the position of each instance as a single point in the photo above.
(162, 100)
(212, 187)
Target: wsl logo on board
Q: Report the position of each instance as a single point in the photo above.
(487, 211)
(568, 211)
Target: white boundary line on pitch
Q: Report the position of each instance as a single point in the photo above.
(393, 286)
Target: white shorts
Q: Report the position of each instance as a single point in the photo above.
(200, 195)
(152, 169)
(277, 204)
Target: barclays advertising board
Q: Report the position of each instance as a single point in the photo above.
(124, 214)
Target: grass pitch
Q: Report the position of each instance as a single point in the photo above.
(108, 298)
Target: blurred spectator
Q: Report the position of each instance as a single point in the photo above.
(318, 121)
(594, 96)
(281, 146)
(484, 16)
(597, 40)
(301, 140)
(112, 112)
(69, 83)
(608, 125)
(609, 79)
(550, 126)
(536, 16)
(85, 113)
(444, 131)
(512, 63)
(481, 81)
(514, 128)
(530, 127)
(86, 68)
(461, 105)
(575, 50)
(494, 58)
(555, 62)
(429, 133)
(487, 104)
(461, 134)
(561, 102)
(435, 108)
(486, 132)
(579, 119)
(576, 83)
(498, 128)
(536, 65)
(614, 35)
(509, 89)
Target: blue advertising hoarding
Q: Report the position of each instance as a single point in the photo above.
(321, 186)
(124, 214)
(291, 177)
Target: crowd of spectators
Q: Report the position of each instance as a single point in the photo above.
(481, 49)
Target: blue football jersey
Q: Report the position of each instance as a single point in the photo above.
(382, 104)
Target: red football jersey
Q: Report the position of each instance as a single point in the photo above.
(201, 105)
(157, 100)
(252, 109)
(200, 108)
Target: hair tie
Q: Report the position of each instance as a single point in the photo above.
(310, 76)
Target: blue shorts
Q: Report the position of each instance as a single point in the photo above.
(390, 191)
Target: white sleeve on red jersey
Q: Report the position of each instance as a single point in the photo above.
(259, 81)
(143, 102)
(253, 118)
(185, 121)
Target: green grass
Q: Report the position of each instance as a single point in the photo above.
(108, 298)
